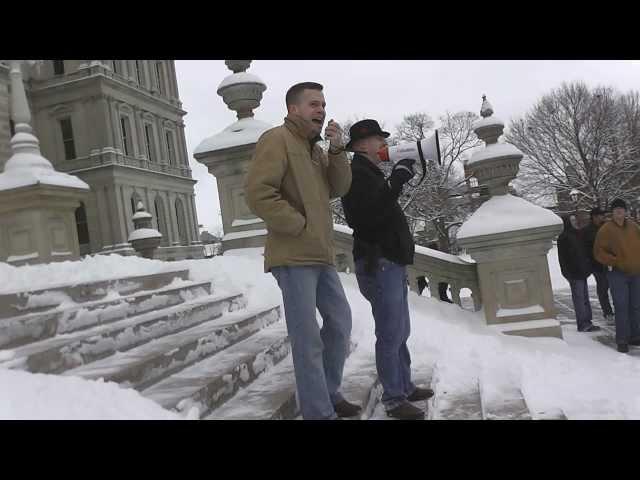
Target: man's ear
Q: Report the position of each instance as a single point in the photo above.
(293, 108)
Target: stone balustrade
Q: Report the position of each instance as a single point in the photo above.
(435, 266)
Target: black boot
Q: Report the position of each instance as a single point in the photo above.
(345, 409)
(406, 411)
(623, 348)
(420, 394)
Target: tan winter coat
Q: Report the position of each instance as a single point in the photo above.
(619, 247)
(289, 185)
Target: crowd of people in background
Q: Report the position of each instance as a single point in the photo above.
(608, 249)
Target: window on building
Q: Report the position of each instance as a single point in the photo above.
(170, 148)
(182, 226)
(148, 138)
(81, 224)
(159, 78)
(114, 66)
(58, 67)
(67, 138)
(12, 127)
(139, 72)
(125, 129)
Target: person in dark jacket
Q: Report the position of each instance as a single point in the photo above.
(576, 267)
(382, 247)
(599, 271)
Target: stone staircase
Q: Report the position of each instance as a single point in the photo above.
(205, 354)
(172, 339)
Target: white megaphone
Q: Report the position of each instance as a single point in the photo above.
(427, 149)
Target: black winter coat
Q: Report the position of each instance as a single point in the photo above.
(589, 235)
(572, 253)
(371, 207)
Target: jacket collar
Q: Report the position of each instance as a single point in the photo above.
(364, 161)
(301, 128)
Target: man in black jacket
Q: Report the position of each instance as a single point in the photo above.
(576, 267)
(599, 271)
(382, 247)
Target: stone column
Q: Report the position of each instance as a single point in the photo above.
(37, 203)
(228, 153)
(509, 238)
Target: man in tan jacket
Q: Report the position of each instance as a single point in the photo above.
(617, 245)
(289, 185)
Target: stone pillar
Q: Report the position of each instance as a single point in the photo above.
(227, 156)
(509, 239)
(37, 203)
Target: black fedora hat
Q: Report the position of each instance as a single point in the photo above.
(363, 129)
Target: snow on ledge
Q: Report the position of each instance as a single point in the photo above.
(245, 234)
(143, 233)
(241, 223)
(510, 312)
(506, 213)
(495, 150)
(243, 132)
(526, 325)
(447, 257)
(240, 77)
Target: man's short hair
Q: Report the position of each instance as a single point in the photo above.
(294, 93)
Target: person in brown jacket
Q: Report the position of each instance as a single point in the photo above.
(289, 185)
(617, 245)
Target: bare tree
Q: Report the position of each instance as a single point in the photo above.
(580, 138)
(438, 200)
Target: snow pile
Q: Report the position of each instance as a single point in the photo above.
(243, 132)
(28, 396)
(506, 213)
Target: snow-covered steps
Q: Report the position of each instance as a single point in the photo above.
(21, 303)
(70, 317)
(422, 376)
(456, 395)
(209, 383)
(157, 359)
(66, 351)
(508, 404)
(271, 397)
(360, 383)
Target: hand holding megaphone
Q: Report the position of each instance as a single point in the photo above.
(402, 172)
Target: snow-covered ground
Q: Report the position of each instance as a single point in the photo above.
(578, 375)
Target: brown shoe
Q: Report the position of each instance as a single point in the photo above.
(345, 409)
(406, 411)
(420, 394)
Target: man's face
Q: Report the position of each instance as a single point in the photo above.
(598, 220)
(311, 108)
(618, 214)
(374, 144)
(574, 221)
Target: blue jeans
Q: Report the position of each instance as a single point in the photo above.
(625, 290)
(318, 353)
(387, 293)
(603, 292)
(581, 303)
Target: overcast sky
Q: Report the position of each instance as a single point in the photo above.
(384, 90)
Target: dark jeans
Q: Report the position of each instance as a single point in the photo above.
(603, 292)
(581, 304)
(625, 290)
(387, 293)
